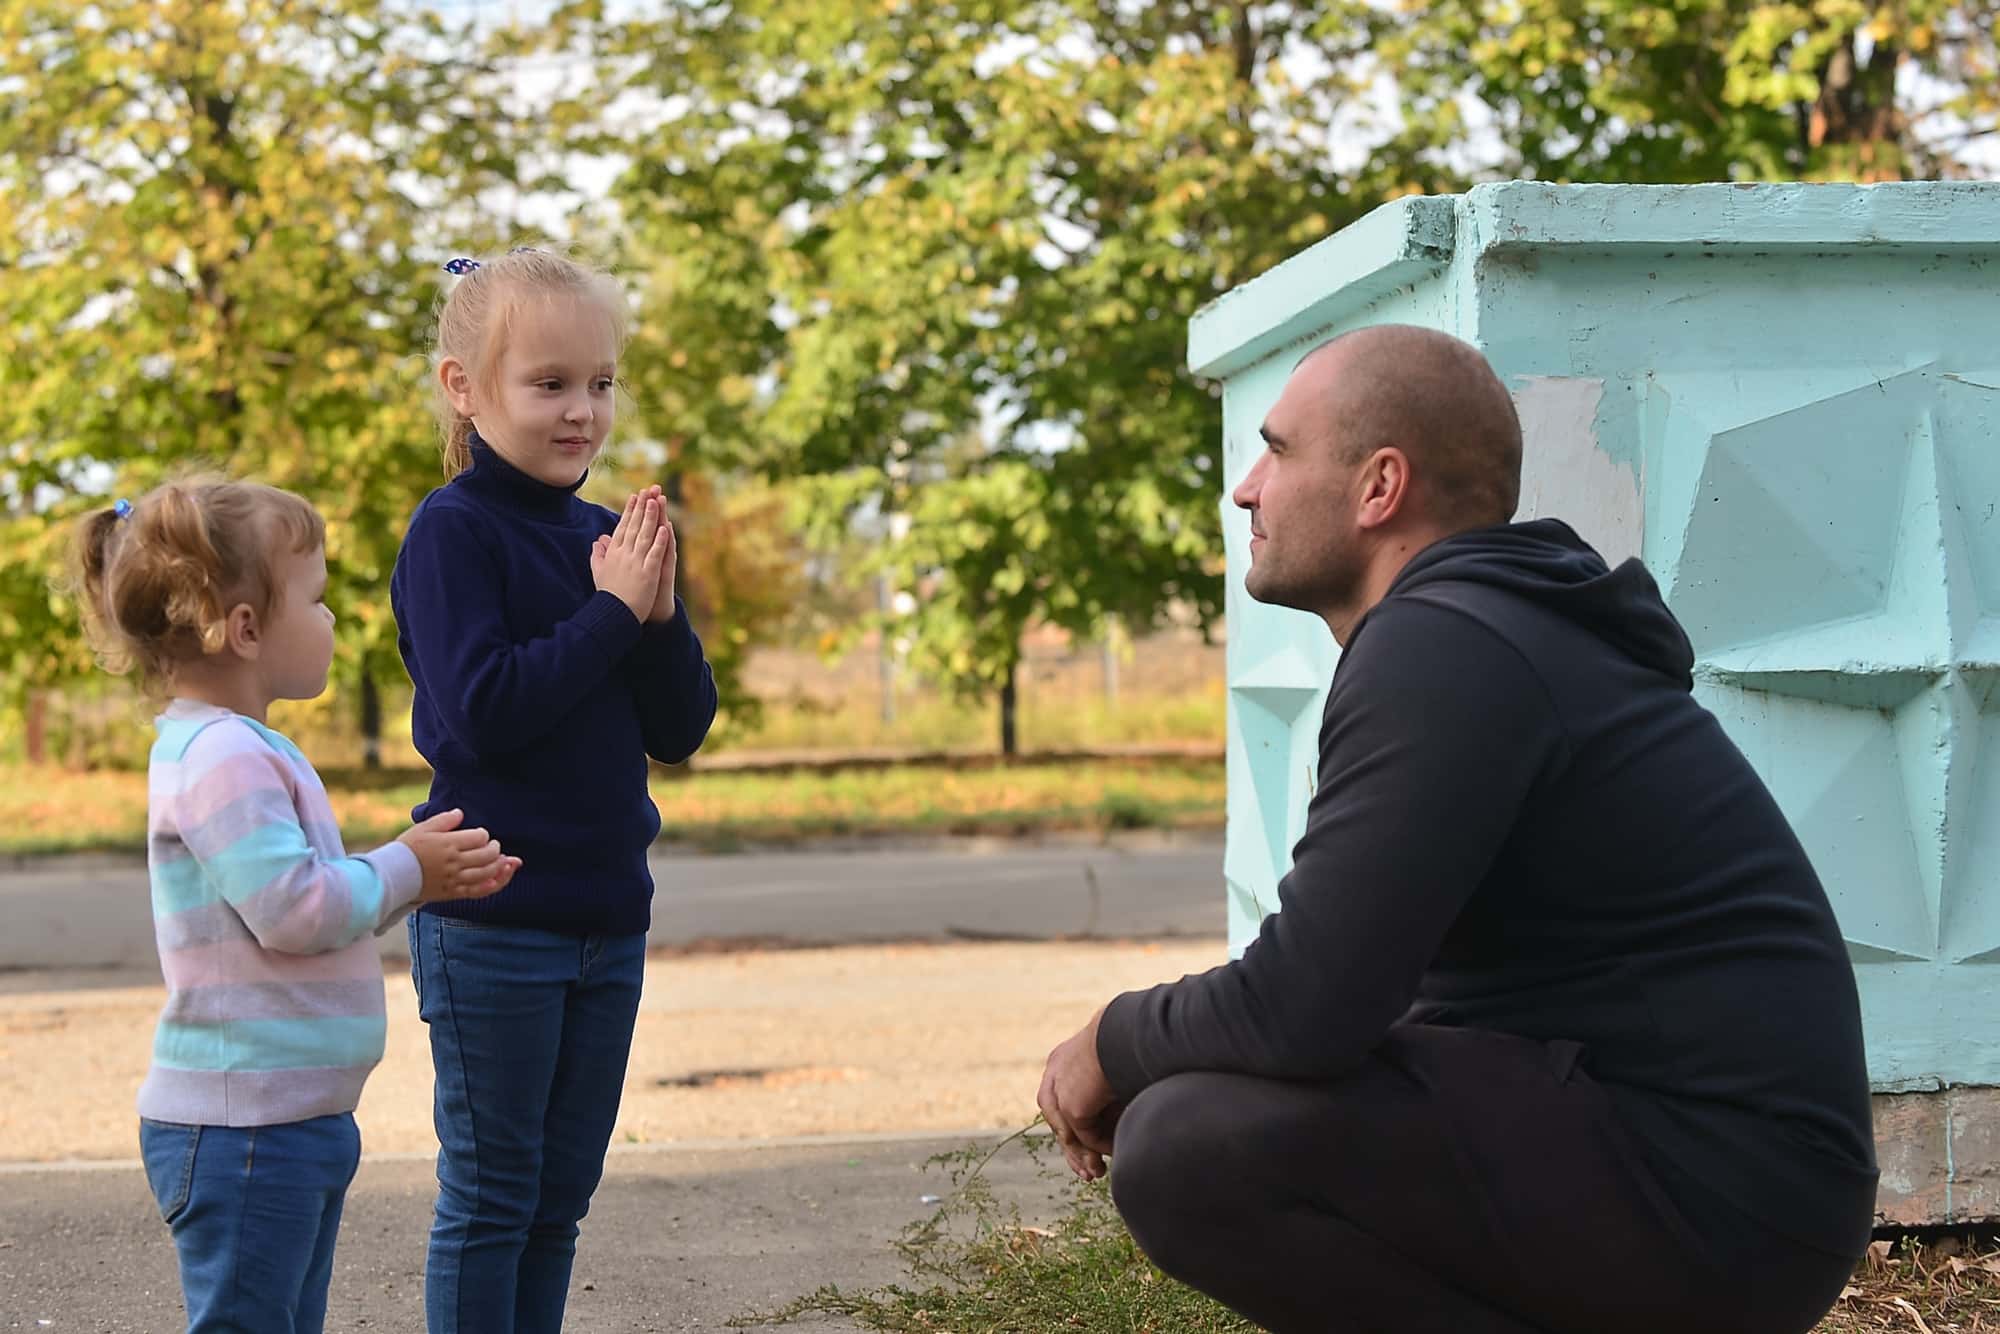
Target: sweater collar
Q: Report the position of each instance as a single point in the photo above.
(500, 481)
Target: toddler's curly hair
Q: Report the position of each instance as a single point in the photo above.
(157, 582)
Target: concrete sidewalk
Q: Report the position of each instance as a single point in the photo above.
(903, 1039)
(682, 1238)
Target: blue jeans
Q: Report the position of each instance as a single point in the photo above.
(254, 1211)
(530, 1031)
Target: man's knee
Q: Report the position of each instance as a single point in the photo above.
(1168, 1145)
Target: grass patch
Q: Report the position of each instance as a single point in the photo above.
(975, 1266)
(1048, 720)
(941, 799)
(47, 809)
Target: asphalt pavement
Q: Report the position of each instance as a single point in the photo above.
(93, 913)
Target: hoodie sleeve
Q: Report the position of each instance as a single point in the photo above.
(1435, 731)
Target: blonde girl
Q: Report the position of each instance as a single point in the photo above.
(552, 659)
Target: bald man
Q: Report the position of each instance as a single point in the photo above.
(1555, 1030)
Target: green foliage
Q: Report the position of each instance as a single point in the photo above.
(932, 261)
(220, 222)
(1695, 90)
(977, 1267)
(944, 260)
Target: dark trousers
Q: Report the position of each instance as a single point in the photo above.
(1459, 1181)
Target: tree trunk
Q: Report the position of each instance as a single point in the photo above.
(371, 722)
(1855, 129)
(37, 728)
(1110, 650)
(1009, 745)
(885, 651)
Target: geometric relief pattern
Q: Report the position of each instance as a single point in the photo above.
(1280, 665)
(1273, 736)
(1839, 574)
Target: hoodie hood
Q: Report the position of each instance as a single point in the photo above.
(1545, 562)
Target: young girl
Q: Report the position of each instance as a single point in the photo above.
(551, 657)
(214, 592)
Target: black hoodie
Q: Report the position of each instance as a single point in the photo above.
(1524, 822)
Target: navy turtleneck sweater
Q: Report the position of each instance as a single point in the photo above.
(539, 697)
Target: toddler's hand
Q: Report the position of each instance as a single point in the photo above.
(627, 563)
(457, 863)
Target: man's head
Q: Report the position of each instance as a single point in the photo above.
(1383, 441)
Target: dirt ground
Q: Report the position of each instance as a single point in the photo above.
(729, 1046)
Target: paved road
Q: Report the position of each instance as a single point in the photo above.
(679, 1239)
(92, 913)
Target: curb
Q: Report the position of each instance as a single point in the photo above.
(664, 1148)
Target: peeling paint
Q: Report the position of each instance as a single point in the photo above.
(1565, 475)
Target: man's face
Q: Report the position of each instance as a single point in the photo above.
(1304, 542)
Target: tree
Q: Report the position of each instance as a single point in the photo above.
(220, 223)
(1694, 90)
(981, 551)
(873, 231)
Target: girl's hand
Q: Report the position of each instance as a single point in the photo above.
(627, 562)
(663, 601)
(457, 863)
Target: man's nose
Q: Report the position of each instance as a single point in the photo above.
(1247, 490)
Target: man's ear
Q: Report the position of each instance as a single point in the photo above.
(241, 634)
(456, 381)
(1385, 487)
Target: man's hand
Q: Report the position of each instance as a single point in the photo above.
(635, 561)
(1078, 1103)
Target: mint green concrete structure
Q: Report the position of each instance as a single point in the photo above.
(1786, 401)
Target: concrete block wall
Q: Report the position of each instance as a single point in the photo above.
(1786, 400)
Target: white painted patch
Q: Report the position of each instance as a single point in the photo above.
(1564, 475)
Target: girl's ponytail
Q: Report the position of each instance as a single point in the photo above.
(157, 578)
(96, 539)
(457, 442)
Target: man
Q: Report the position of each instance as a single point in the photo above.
(1555, 1029)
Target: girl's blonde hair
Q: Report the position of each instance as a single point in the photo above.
(157, 580)
(479, 312)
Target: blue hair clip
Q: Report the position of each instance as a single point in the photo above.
(461, 266)
(123, 509)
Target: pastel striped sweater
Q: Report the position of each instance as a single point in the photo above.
(274, 985)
